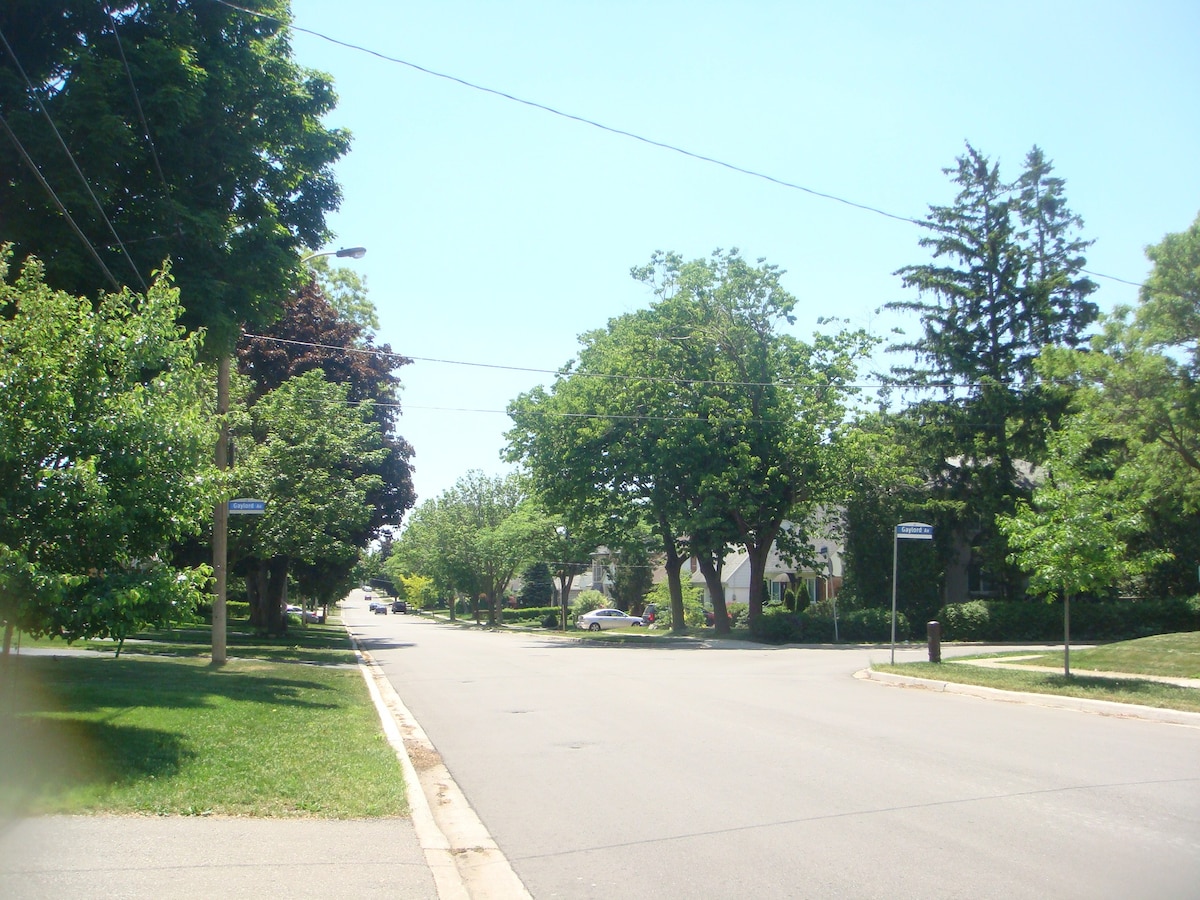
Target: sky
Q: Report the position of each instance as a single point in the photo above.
(498, 232)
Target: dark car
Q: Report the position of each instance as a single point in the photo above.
(380, 609)
(399, 606)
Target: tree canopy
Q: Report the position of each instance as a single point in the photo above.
(167, 129)
(103, 461)
(308, 454)
(697, 416)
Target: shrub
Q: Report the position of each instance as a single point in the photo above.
(739, 614)
(871, 625)
(693, 604)
(586, 602)
(1091, 620)
(778, 626)
(529, 614)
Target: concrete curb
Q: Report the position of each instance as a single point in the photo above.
(465, 861)
(1054, 701)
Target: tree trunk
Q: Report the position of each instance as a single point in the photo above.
(758, 569)
(711, 570)
(1066, 634)
(565, 580)
(256, 595)
(673, 564)
(271, 578)
(8, 634)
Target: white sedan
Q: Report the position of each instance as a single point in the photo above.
(607, 618)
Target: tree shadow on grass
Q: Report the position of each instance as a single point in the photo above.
(47, 758)
(80, 684)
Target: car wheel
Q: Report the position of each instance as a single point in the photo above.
(595, 626)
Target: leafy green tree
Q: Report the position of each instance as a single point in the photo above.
(103, 459)
(697, 417)
(1073, 537)
(1138, 391)
(474, 538)
(1007, 280)
(311, 335)
(200, 137)
(305, 446)
(423, 548)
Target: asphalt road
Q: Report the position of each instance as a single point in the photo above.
(742, 771)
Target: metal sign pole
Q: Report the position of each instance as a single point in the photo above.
(895, 555)
(912, 531)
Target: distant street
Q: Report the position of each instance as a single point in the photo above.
(742, 771)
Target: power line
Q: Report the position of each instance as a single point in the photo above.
(648, 379)
(58, 203)
(620, 132)
(75, 165)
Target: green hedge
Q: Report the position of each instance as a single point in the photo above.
(815, 626)
(1091, 620)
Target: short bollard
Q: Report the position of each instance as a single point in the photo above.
(934, 631)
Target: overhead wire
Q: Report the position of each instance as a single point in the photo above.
(137, 102)
(74, 164)
(620, 132)
(24, 154)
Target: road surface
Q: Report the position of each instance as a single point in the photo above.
(747, 771)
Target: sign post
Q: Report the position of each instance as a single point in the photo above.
(907, 531)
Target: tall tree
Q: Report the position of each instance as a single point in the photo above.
(306, 448)
(313, 334)
(697, 416)
(1005, 282)
(198, 138)
(103, 459)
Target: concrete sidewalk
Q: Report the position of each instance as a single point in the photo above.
(145, 857)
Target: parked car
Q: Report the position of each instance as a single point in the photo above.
(399, 606)
(315, 616)
(650, 614)
(607, 618)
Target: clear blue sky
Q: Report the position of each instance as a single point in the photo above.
(497, 232)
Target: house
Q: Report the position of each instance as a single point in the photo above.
(781, 576)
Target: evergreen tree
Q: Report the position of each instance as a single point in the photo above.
(1005, 281)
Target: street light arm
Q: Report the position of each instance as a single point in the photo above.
(351, 252)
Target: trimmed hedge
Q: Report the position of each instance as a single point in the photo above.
(1091, 620)
(815, 626)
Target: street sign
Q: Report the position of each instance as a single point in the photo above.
(247, 507)
(907, 531)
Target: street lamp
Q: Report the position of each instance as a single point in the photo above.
(220, 544)
(344, 253)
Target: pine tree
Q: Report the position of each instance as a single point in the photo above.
(1005, 281)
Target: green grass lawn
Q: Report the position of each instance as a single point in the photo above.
(1176, 655)
(1171, 654)
(285, 728)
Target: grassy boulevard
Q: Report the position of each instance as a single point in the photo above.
(285, 728)
(1170, 655)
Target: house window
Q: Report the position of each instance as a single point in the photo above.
(777, 591)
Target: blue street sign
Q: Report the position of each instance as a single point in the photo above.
(914, 531)
(247, 507)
